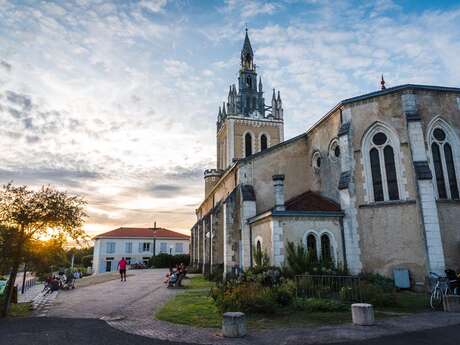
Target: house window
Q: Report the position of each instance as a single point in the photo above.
(163, 247)
(248, 144)
(326, 248)
(444, 164)
(382, 165)
(146, 246)
(179, 248)
(110, 247)
(128, 247)
(128, 260)
(263, 142)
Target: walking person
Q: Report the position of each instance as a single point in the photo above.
(122, 267)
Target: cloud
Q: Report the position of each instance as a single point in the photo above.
(117, 101)
(153, 5)
(5, 65)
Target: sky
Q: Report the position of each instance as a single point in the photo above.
(116, 101)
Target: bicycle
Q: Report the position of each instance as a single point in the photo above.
(439, 290)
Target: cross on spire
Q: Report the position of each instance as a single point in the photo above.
(382, 83)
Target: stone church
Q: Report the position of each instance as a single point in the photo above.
(373, 185)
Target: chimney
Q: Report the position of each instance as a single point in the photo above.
(278, 188)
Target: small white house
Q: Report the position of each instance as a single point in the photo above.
(136, 245)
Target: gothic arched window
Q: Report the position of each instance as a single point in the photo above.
(382, 164)
(326, 248)
(443, 160)
(311, 245)
(247, 144)
(263, 142)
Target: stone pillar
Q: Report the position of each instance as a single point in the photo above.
(347, 193)
(278, 188)
(248, 210)
(429, 208)
(277, 234)
(203, 229)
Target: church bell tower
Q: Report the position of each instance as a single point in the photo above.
(245, 124)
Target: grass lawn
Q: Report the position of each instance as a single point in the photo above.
(408, 302)
(193, 307)
(20, 309)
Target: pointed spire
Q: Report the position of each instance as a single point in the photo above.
(279, 96)
(230, 91)
(260, 84)
(220, 112)
(247, 45)
(274, 95)
(247, 55)
(224, 113)
(382, 83)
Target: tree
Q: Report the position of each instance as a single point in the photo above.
(7, 247)
(34, 214)
(44, 256)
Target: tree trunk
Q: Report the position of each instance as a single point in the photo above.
(9, 289)
(12, 279)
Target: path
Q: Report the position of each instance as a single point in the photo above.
(137, 298)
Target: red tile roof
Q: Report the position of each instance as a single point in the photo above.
(143, 232)
(311, 201)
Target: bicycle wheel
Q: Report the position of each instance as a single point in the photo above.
(436, 298)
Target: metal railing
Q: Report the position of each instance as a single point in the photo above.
(28, 283)
(343, 288)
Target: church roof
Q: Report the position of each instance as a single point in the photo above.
(247, 46)
(142, 233)
(311, 201)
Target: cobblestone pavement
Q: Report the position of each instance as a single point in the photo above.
(292, 336)
(42, 303)
(30, 293)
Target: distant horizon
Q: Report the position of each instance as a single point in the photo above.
(117, 101)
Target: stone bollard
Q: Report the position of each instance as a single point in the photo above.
(362, 314)
(234, 325)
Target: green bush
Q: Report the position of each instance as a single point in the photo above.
(376, 295)
(319, 305)
(247, 297)
(386, 284)
(164, 260)
(284, 294)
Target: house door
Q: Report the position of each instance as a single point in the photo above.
(108, 266)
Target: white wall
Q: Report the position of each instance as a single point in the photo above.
(136, 255)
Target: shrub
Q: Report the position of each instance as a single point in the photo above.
(247, 297)
(164, 260)
(284, 294)
(319, 305)
(386, 284)
(376, 295)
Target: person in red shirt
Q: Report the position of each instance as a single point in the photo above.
(122, 267)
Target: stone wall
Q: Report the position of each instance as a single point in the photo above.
(391, 236)
(449, 212)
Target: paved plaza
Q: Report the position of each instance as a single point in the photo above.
(121, 310)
